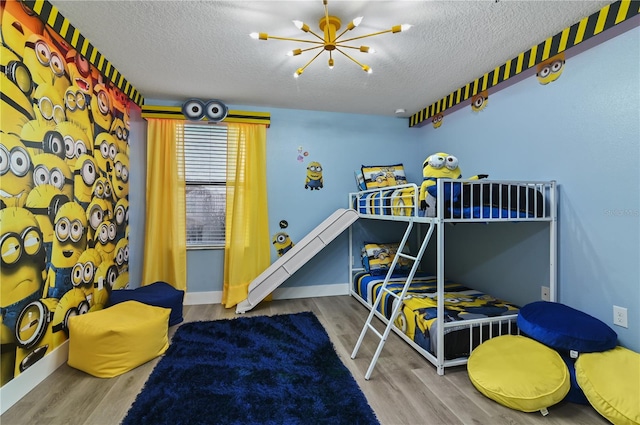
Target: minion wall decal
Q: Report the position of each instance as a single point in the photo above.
(550, 70)
(437, 120)
(479, 101)
(281, 241)
(314, 179)
(64, 188)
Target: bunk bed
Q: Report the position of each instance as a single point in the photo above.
(442, 320)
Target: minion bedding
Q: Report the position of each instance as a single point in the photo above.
(418, 315)
(462, 200)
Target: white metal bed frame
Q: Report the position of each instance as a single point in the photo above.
(397, 206)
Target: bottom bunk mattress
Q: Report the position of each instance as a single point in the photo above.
(418, 315)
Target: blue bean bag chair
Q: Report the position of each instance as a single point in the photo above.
(159, 294)
(565, 329)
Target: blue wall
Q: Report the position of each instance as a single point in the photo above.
(582, 130)
(341, 143)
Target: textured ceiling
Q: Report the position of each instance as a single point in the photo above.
(175, 50)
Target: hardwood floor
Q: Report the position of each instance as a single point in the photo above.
(404, 387)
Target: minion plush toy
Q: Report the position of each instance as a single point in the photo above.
(441, 165)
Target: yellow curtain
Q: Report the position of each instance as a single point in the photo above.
(165, 248)
(247, 245)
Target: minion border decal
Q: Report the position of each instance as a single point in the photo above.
(606, 18)
(51, 16)
(175, 113)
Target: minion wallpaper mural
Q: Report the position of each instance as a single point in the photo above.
(64, 171)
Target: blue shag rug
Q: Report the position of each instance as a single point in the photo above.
(251, 370)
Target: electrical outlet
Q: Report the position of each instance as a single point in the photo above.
(620, 316)
(544, 294)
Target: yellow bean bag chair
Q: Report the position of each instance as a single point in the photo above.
(611, 382)
(519, 372)
(110, 342)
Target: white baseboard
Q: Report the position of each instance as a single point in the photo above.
(215, 297)
(196, 298)
(19, 386)
(284, 293)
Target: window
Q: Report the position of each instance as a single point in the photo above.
(205, 155)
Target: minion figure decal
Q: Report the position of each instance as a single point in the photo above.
(479, 101)
(44, 202)
(282, 243)
(84, 273)
(39, 137)
(36, 333)
(22, 261)
(16, 107)
(70, 231)
(49, 169)
(104, 239)
(121, 217)
(120, 176)
(551, 69)
(16, 171)
(437, 120)
(64, 170)
(85, 174)
(105, 150)
(314, 176)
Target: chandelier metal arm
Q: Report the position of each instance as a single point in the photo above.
(296, 39)
(310, 48)
(364, 67)
(364, 36)
(319, 38)
(309, 63)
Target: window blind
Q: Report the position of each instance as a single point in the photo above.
(205, 172)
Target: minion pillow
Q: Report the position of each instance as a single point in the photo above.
(377, 176)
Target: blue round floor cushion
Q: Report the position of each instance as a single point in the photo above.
(564, 328)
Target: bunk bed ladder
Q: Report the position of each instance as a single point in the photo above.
(398, 298)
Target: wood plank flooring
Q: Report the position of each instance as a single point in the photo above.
(404, 387)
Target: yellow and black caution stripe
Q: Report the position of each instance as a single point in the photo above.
(605, 18)
(51, 16)
(175, 113)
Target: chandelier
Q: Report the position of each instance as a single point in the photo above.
(330, 42)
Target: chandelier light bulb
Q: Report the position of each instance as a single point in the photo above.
(357, 21)
(301, 25)
(294, 52)
(254, 35)
(367, 69)
(330, 63)
(405, 27)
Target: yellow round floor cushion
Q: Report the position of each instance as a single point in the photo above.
(519, 372)
(611, 382)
